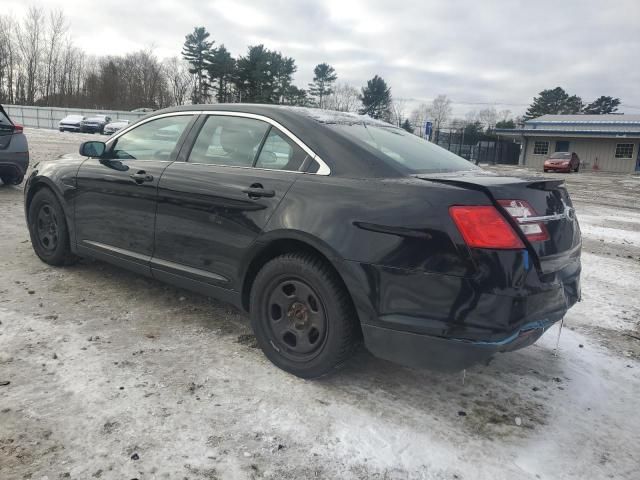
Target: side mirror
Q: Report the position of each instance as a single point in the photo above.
(92, 149)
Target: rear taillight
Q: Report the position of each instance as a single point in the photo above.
(484, 227)
(17, 128)
(521, 211)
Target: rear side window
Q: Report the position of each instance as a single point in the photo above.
(279, 152)
(153, 140)
(403, 149)
(232, 141)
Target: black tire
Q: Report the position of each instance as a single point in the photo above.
(48, 229)
(318, 331)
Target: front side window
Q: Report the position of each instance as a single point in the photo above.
(624, 150)
(232, 141)
(153, 140)
(279, 152)
(540, 148)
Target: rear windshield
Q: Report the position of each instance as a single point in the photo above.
(403, 149)
(561, 155)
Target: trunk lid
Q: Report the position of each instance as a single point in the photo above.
(551, 204)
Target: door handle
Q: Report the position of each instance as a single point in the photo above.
(257, 192)
(141, 177)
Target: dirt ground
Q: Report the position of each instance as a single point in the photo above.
(116, 376)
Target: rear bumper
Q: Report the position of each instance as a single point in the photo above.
(14, 163)
(445, 322)
(91, 128)
(445, 354)
(557, 168)
(69, 128)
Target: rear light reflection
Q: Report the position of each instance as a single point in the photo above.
(17, 128)
(520, 210)
(484, 227)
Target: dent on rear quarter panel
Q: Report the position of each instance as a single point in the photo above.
(399, 223)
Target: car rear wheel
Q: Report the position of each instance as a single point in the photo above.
(48, 229)
(302, 316)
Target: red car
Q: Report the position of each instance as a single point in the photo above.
(562, 162)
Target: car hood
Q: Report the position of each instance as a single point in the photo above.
(95, 120)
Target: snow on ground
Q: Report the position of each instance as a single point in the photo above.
(115, 376)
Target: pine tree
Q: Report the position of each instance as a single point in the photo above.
(602, 105)
(554, 102)
(221, 70)
(254, 79)
(324, 76)
(376, 99)
(406, 125)
(197, 50)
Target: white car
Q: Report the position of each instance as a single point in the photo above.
(113, 127)
(71, 123)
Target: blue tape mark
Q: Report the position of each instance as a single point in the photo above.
(525, 259)
(538, 324)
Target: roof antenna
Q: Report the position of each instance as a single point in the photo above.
(555, 351)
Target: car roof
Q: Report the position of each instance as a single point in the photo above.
(344, 157)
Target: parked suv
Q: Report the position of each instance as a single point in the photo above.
(95, 124)
(14, 151)
(562, 162)
(114, 126)
(71, 123)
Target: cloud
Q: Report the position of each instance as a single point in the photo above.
(490, 52)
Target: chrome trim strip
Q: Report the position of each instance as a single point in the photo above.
(322, 170)
(158, 262)
(544, 218)
(121, 251)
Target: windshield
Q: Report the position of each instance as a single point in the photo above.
(561, 155)
(406, 150)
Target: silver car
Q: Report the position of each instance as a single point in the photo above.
(71, 123)
(14, 151)
(113, 127)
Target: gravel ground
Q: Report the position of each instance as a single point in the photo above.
(116, 376)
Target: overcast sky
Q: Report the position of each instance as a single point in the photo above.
(499, 53)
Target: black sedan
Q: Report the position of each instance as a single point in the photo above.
(326, 227)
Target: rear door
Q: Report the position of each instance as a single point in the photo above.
(213, 206)
(116, 202)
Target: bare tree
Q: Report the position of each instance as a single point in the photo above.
(179, 79)
(8, 58)
(398, 107)
(30, 42)
(57, 28)
(419, 117)
(439, 111)
(489, 117)
(344, 98)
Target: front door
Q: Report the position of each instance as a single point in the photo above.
(212, 207)
(117, 194)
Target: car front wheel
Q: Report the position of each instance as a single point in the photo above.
(302, 316)
(48, 229)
